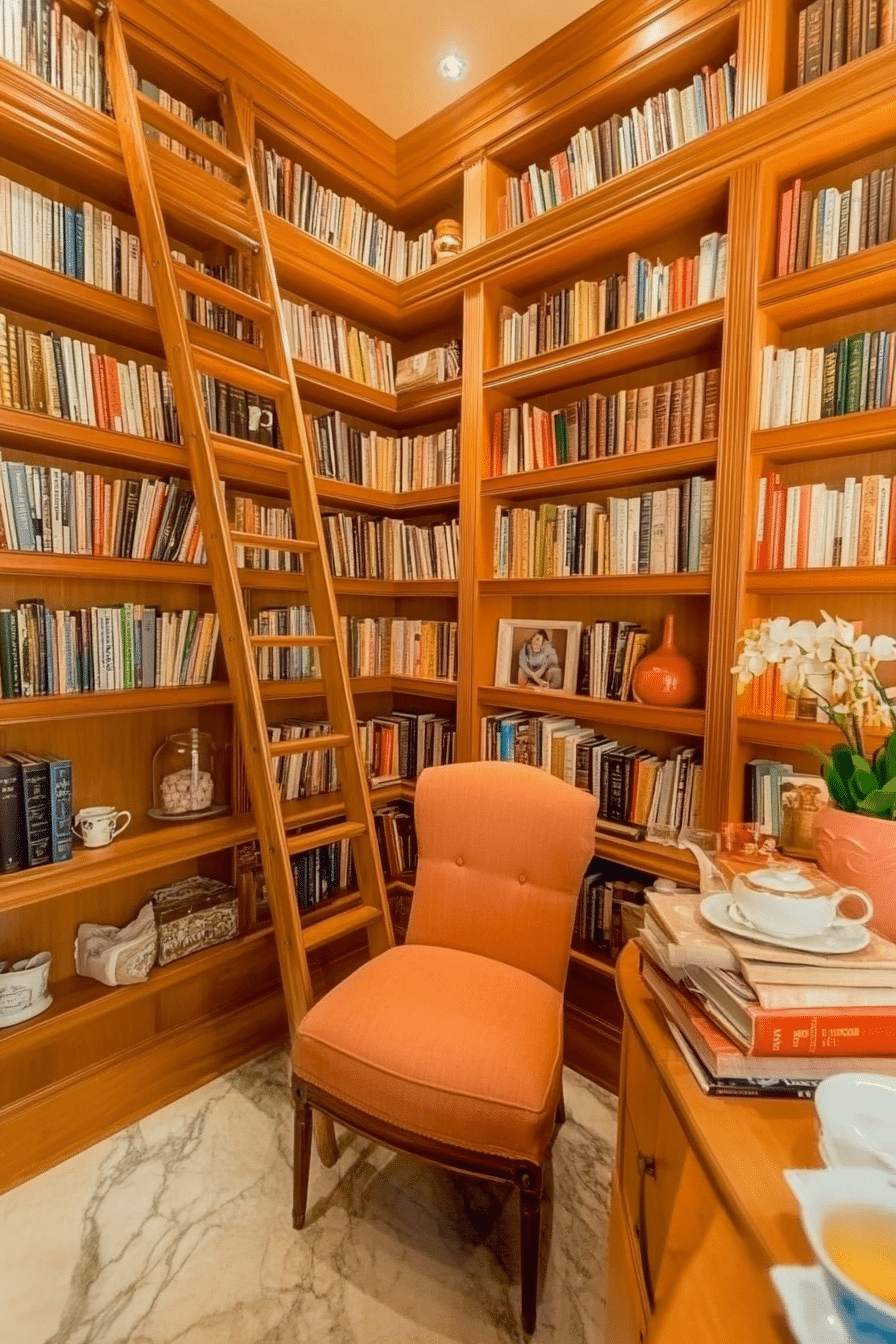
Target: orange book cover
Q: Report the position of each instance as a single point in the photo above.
(794, 225)
(785, 214)
(152, 526)
(100, 400)
(99, 514)
(891, 529)
(113, 393)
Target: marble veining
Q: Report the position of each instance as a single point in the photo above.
(178, 1231)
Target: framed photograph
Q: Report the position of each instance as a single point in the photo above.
(802, 798)
(538, 655)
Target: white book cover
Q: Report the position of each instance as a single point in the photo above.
(816, 383)
(818, 514)
(709, 249)
(767, 385)
(791, 526)
(799, 398)
(855, 215)
(884, 491)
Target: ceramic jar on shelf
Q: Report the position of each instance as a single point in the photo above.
(664, 676)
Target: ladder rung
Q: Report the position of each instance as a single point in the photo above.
(185, 134)
(327, 835)
(296, 746)
(337, 926)
(218, 291)
(242, 453)
(273, 543)
(233, 371)
(291, 641)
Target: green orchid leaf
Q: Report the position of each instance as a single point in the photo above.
(838, 790)
(878, 804)
(890, 786)
(845, 759)
(888, 755)
(860, 785)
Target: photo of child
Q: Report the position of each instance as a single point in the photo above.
(538, 656)
(538, 663)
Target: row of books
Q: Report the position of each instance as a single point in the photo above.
(317, 875)
(762, 793)
(265, 520)
(768, 697)
(83, 242)
(856, 373)
(303, 774)
(440, 364)
(209, 126)
(329, 342)
(666, 531)
(608, 654)
(103, 648)
(815, 526)
(293, 193)
(834, 32)
(383, 461)
(235, 271)
(80, 513)
(66, 378)
(609, 913)
(35, 811)
(635, 790)
(397, 840)
(40, 37)
(285, 664)
(359, 547)
(633, 420)
(622, 143)
(398, 646)
(238, 413)
(401, 744)
(757, 1021)
(590, 308)
(819, 226)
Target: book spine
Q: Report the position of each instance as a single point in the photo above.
(36, 802)
(60, 793)
(827, 1032)
(11, 819)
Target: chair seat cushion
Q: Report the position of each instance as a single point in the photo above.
(445, 1044)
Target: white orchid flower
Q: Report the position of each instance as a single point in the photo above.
(883, 648)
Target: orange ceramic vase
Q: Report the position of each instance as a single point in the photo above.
(664, 676)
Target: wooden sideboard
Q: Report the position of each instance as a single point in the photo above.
(700, 1209)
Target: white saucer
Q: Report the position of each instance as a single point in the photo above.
(846, 937)
(807, 1305)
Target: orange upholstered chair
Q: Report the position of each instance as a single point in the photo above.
(451, 1047)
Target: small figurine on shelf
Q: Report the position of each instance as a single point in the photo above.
(186, 784)
(448, 241)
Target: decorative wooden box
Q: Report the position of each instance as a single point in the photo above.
(194, 913)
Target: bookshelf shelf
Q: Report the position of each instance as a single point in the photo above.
(603, 473)
(81, 1002)
(663, 860)
(877, 579)
(418, 406)
(675, 336)
(434, 688)
(417, 588)
(864, 280)
(616, 585)
(63, 301)
(687, 722)
(839, 435)
(112, 569)
(584, 955)
(798, 735)
(346, 494)
(34, 433)
(132, 855)
(93, 704)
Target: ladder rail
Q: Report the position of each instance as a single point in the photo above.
(248, 707)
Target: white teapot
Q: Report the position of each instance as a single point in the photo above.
(780, 901)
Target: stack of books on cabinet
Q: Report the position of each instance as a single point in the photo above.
(752, 1019)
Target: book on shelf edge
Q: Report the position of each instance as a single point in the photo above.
(11, 817)
(722, 1058)
(781, 1088)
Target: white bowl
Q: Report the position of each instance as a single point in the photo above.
(857, 1114)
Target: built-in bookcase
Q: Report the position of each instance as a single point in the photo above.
(204, 1014)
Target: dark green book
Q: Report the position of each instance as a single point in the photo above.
(852, 399)
(842, 377)
(829, 382)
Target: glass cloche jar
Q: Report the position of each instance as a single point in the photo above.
(186, 781)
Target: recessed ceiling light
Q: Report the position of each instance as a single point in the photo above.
(452, 66)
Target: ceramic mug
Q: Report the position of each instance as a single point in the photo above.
(784, 916)
(99, 825)
(865, 1317)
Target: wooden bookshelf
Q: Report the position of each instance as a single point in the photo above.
(210, 1012)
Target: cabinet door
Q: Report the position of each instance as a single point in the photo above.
(626, 1321)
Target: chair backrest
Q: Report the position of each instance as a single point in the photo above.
(503, 848)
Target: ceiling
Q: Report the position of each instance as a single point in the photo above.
(381, 56)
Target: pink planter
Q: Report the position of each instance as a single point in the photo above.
(859, 851)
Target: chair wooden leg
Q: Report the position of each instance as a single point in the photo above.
(561, 1108)
(530, 1186)
(304, 1130)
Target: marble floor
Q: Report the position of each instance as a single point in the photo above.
(179, 1230)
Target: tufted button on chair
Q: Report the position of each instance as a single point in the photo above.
(451, 1047)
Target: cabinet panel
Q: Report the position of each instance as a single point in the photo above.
(626, 1321)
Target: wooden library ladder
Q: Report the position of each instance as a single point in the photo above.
(189, 355)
